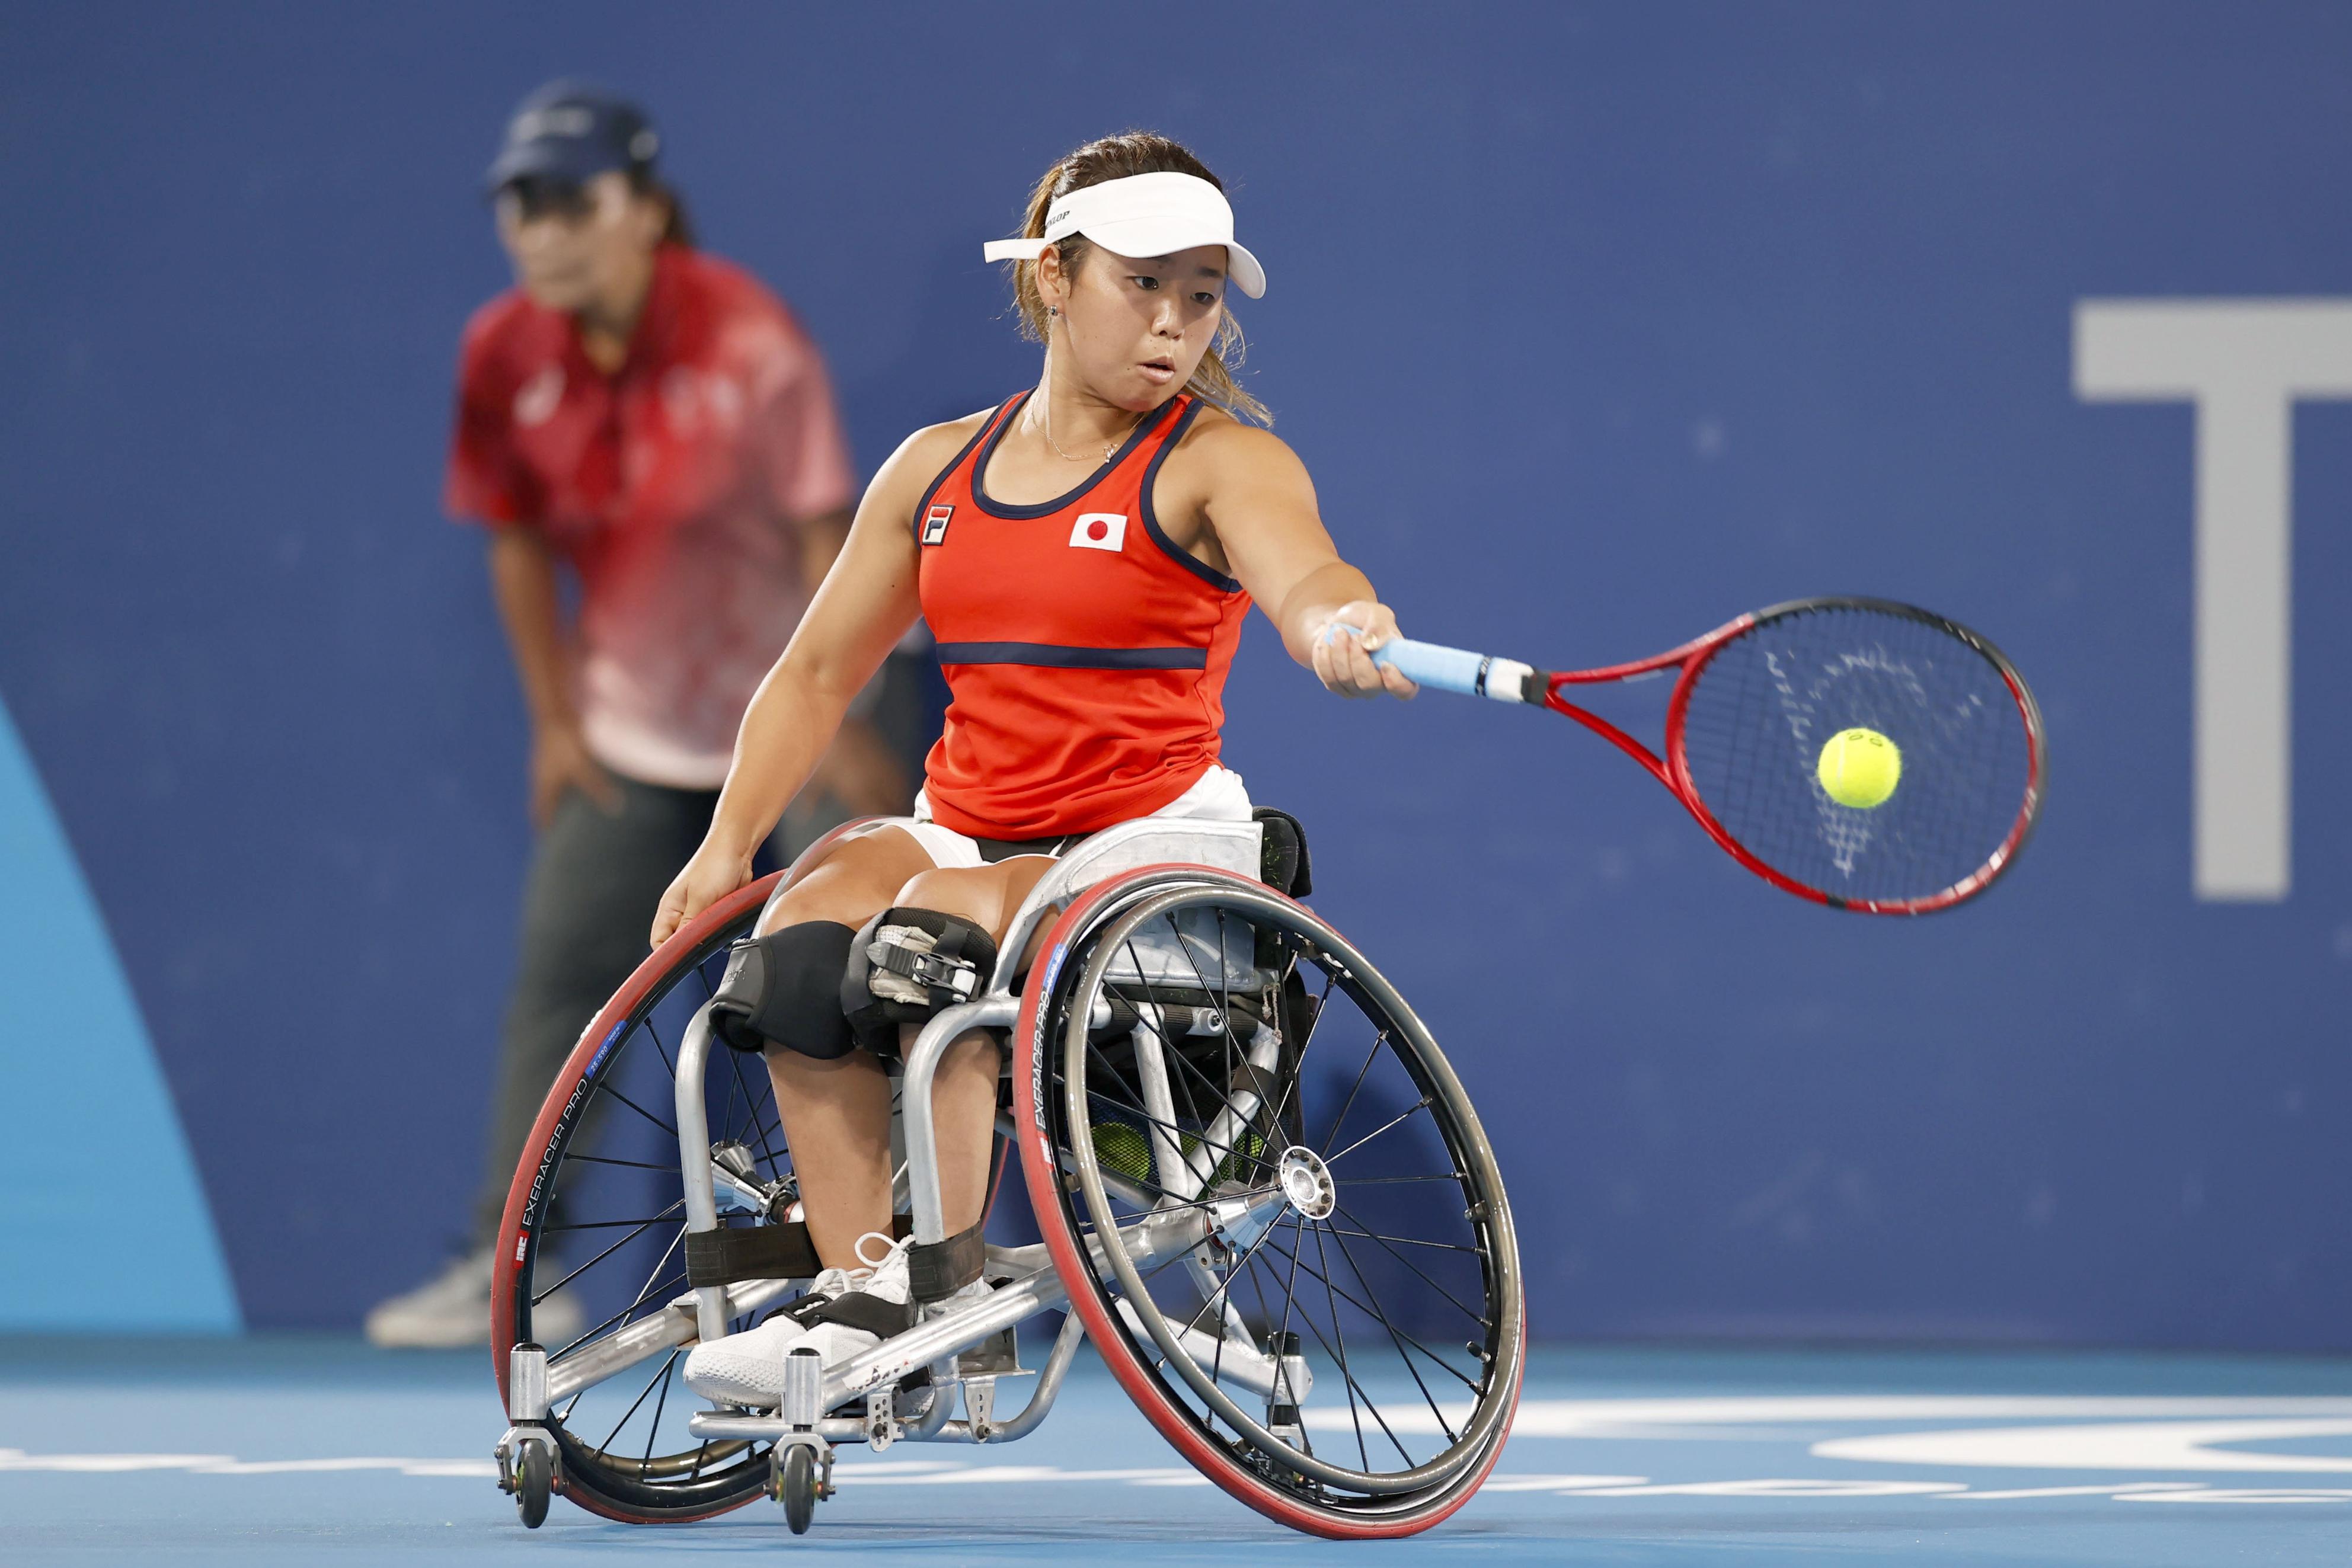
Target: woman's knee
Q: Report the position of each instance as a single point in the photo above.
(850, 885)
(986, 896)
(966, 894)
(782, 991)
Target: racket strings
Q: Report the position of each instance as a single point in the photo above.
(1764, 707)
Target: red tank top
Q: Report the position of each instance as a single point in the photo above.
(1086, 652)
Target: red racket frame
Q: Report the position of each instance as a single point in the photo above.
(1673, 769)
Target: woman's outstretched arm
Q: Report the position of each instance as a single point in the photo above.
(1260, 503)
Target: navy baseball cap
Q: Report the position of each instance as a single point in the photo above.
(570, 131)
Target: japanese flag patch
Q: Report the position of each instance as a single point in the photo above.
(1099, 530)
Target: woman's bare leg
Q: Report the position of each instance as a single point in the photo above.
(963, 1090)
(836, 1113)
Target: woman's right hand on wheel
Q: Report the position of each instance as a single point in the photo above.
(713, 874)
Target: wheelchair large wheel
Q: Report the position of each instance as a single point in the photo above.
(1272, 1203)
(598, 1211)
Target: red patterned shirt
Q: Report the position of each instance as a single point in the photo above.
(671, 486)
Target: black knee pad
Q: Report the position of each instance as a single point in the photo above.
(907, 964)
(784, 989)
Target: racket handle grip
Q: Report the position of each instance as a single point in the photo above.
(1460, 671)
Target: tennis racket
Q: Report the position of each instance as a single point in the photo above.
(1755, 702)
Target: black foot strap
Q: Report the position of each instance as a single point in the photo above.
(727, 1257)
(938, 1270)
(856, 1309)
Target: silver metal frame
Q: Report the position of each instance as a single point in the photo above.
(945, 1335)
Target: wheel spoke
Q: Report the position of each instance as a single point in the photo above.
(659, 1050)
(1347, 1381)
(1281, 1372)
(1177, 1129)
(735, 1060)
(608, 1160)
(608, 1251)
(1390, 1328)
(660, 1373)
(1479, 1317)
(1217, 1296)
(1340, 1334)
(651, 1294)
(653, 1429)
(640, 1110)
(1421, 1104)
(1217, 1096)
(1335, 1289)
(1159, 1000)
(1347, 1104)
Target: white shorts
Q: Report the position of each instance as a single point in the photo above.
(1216, 796)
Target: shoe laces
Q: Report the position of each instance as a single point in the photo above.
(891, 1246)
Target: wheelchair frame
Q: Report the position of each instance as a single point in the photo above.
(966, 1345)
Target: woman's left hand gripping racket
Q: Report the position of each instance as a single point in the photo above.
(1862, 754)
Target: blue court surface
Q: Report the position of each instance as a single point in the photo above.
(312, 1450)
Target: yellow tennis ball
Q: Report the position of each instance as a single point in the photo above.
(1860, 767)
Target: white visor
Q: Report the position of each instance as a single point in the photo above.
(1142, 215)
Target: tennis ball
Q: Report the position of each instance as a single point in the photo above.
(1860, 767)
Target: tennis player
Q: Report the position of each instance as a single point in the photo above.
(650, 419)
(1085, 553)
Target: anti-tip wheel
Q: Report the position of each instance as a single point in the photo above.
(534, 1483)
(796, 1486)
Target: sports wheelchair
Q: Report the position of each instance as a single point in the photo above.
(1261, 1192)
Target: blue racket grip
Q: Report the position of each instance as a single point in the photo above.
(1456, 670)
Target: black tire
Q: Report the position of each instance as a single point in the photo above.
(1402, 1268)
(535, 1484)
(796, 1486)
(599, 1178)
(599, 1183)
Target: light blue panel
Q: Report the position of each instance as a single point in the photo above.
(103, 1224)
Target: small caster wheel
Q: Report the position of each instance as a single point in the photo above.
(795, 1486)
(534, 1481)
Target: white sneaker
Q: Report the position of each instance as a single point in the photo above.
(748, 1368)
(452, 1312)
(887, 1282)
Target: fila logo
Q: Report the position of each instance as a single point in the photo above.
(1099, 530)
(935, 525)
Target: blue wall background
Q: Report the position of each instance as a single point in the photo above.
(1597, 325)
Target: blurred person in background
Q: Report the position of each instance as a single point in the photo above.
(654, 420)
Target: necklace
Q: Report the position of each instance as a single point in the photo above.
(1111, 448)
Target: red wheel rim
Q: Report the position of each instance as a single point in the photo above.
(1043, 1175)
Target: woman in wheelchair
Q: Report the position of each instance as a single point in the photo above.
(1084, 553)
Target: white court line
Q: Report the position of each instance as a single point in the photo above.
(1640, 1419)
(2109, 1445)
(945, 1472)
(1557, 1483)
(2115, 1491)
(226, 1465)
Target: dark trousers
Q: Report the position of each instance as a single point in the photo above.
(588, 902)
(588, 899)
